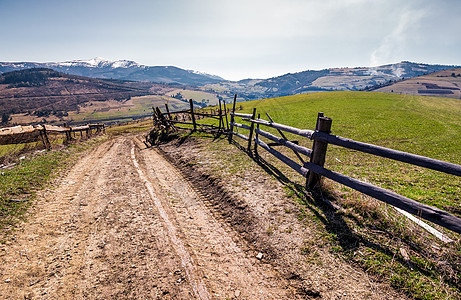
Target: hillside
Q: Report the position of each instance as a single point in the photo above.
(334, 79)
(34, 94)
(121, 69)
(444, 83)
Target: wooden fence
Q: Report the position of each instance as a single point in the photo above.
(311, 161)
(312, 166)
(26, 134)
(166, 121)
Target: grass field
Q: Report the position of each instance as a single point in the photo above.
(196, 95)
(365, 231)
(135, 108)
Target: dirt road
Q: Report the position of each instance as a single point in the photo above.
(124, 224)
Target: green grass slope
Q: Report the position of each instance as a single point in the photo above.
(426, 126)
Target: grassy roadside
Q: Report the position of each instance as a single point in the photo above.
(364, 231)
(19, 184)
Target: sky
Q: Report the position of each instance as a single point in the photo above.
(235, 39)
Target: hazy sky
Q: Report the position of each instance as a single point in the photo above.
(234, 39)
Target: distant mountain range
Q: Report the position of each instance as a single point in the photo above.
(333, 79)
(120, 69)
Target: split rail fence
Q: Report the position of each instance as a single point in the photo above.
(312, 165)
(177, 119)
(26, 134)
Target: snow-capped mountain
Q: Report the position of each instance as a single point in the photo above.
(98, 62)
(120, 69)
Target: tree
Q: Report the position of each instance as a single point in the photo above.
(5, 118)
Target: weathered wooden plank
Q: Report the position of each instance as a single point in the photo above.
(413, 159)
(426, 226)
(284, 142)
(206, 115)
(241, 115)
(80, 128)
(289, 162)
(302, 132)
(240, 125)
(27, 137)
(53, 128)
(242, 136)
(16, 130)
(96, 126)
(225, 114)
(252, 126)
(178, 112)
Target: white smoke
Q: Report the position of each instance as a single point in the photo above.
(397, 71)
(392, 46)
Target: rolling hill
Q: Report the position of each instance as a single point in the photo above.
(34, 94)
(446, 83)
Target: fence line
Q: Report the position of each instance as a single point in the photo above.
(312, 168)
(23, 134)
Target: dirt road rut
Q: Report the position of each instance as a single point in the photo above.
(123, 223)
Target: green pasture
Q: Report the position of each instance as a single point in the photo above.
(142, 106)
(425, 126)
(196, 95)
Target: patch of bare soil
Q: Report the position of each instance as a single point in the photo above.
(255, 205)
(125, 223)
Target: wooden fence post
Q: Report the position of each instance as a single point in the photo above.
(68, 137)
(319, 150)
(168, 111)
(252, 127)
(45, 140)
(161, 118)
(231, 129)
(154, 117)
(192, 114)
(225, 114)
(87, 132)
(221, 121)
(256, 137)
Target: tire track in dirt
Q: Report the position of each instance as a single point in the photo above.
(198, 286)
